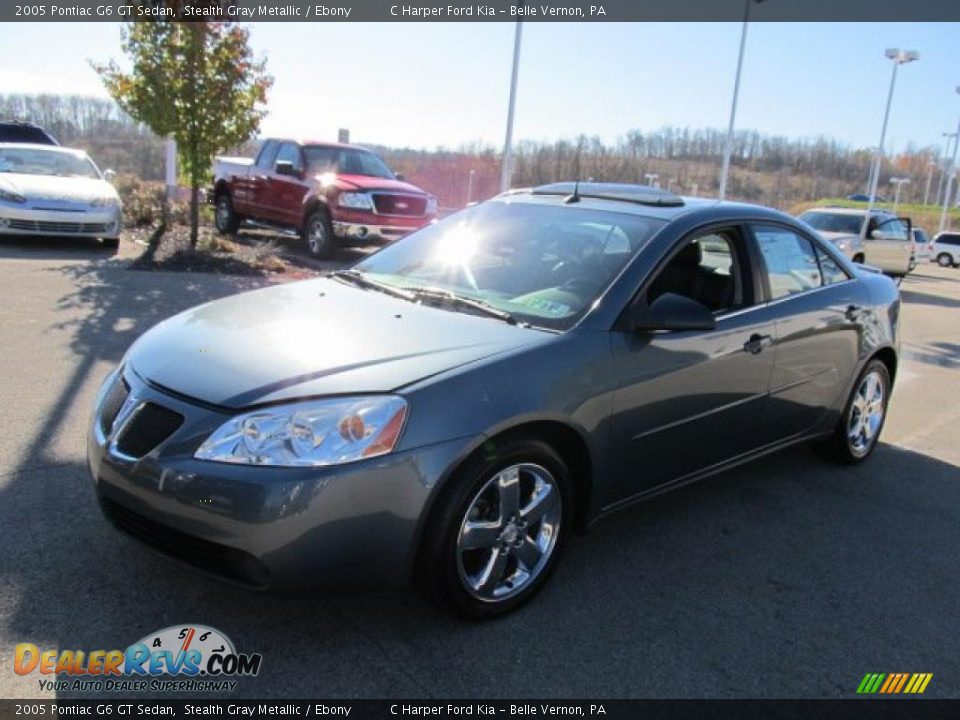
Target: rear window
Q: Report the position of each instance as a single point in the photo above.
(15, 133)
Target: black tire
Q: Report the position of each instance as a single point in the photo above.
(944, 260)
(112, 243)
(225, 219)
(317, 233)
(440, 569)
(840, 446)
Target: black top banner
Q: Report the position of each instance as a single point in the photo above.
(492, 11)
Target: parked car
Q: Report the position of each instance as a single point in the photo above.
(862, 197)
(450, 408)
(922, 245)
(14, 131)
(887, 243)
(47, 190)
(945, 249)
(324, 191)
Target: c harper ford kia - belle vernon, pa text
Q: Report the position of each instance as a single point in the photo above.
(446, 411)
(325, 192)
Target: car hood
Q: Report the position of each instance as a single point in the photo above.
(54, 188)
(318, 337)
(366, 182)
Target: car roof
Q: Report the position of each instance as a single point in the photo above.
(41, 146)
(633, 199)
(848, 211)
(317, 143)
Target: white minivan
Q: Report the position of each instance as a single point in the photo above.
(945, 249)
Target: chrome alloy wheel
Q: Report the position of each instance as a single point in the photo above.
(509, 532)
(317, 235)
(866, 413)
(223, 213)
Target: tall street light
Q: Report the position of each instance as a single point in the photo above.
(728, 150)
(926, 193)
(899, 57)
(506, 169)
(951, 171)
(899, 182)
(943, 165)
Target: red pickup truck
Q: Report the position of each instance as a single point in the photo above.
(325, 192)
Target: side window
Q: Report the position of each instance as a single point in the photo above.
(791, 262)
(829, 269)
(267, 154)
(707, 269)
(289, 152)
(892, 229)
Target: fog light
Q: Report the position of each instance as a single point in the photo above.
(361, 232)
(4, 222)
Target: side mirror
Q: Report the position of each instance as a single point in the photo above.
(674, 312)
(285, 167)
(399, 176)
(109, 175)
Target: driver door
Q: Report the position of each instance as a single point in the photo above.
(687, 401)
(889, 246)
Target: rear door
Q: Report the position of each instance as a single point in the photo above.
(687, 401)
(286, 192)
(251, 189)
(818, 313)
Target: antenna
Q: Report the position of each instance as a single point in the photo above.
(575, 197)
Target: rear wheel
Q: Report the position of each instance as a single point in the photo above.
(861, 423)
(318, 235)
(944, 260)
(225, 218)
(498, 531)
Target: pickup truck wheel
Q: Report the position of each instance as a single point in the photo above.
(226, 220)
(318, 235)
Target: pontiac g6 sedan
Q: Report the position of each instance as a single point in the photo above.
(446, 411)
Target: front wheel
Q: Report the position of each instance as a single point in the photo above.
(226, 220)
(498, 530)
(318, 235)
(944, 260)
(859, 427)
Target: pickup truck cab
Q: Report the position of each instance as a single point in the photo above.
(326, 192)
(887, 241)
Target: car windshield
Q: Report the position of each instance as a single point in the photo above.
(350, 161)
(833, 222)
(543, 265)
(36, 161)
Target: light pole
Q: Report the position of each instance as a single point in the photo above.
(926, 193)
(470, 185)
(899, 182)
(505, 169)
(943, 166)
(728, 149)
(650, 178)
(951, 171)
(899, 57)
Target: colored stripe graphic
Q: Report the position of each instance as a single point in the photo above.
(894, 683)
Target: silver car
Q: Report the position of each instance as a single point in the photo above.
(46, 190)
(887, 243)
(945, 249)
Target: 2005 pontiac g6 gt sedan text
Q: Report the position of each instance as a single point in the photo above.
(450, 408)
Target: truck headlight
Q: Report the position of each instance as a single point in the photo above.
(355, 201)
(309, 434)
(107, 201)
(431, 205)
(11, 196)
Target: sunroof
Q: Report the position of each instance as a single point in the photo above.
(640, 194)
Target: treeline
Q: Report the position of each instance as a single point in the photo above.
(766, 169)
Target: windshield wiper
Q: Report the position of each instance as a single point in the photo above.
(445, 296)
(360, 280)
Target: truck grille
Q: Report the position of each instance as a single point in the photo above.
(212, 557)
(67, 228)
(393, 204)
(149, 426)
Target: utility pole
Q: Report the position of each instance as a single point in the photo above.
(506, 169)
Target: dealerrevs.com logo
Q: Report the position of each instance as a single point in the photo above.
(185, 658)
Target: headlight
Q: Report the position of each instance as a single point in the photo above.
(11, 196)
(431, 205)
(106, 201)
(357, 201)
(309, 434)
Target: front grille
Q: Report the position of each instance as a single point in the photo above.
(67, 228)
(212, 557)
(112, 404)
(393, 204)
(149, 426)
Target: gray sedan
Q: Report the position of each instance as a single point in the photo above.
(448, 410)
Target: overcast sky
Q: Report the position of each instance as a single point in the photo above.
(443, 84)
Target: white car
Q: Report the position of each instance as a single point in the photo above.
(46, 190)
(945, 249)
(887, 244)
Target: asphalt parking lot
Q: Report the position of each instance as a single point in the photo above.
(790, 577)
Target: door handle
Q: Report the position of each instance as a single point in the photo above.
(757, 343)
(853, 312)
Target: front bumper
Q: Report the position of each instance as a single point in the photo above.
(367, 231)
(27, 220)
(341, 528)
